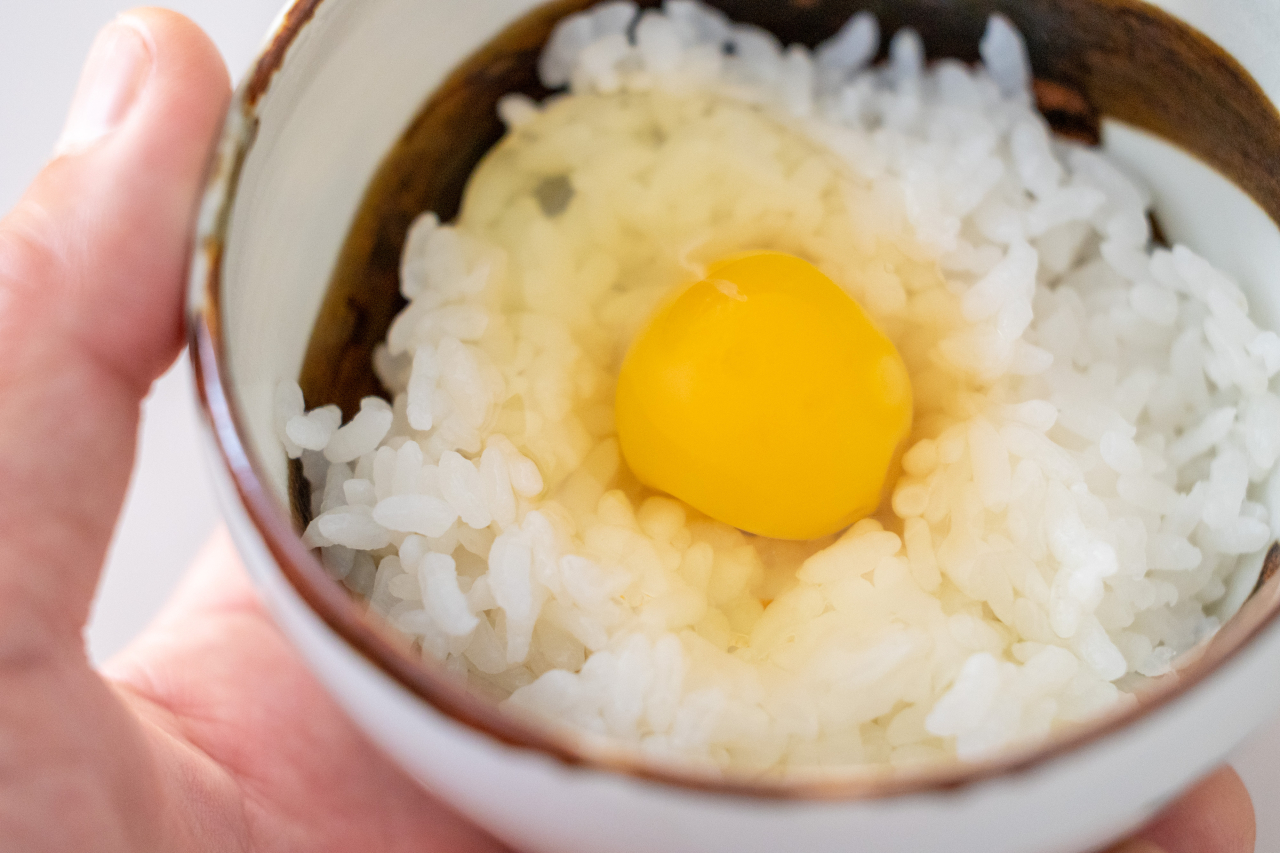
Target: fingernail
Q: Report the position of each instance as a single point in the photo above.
(114, 74)
(1137, 845)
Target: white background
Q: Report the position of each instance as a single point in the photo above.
(171, 510)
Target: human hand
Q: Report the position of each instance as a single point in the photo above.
(1216, 816)
(207, 734)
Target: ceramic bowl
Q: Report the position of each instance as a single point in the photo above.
(329, 152)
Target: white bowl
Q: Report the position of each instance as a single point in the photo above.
(334, 90)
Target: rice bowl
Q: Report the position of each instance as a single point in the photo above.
(314, 188)
(1075, 501)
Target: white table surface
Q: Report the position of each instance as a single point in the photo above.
(171, 509)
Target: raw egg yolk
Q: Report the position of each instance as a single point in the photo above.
(766, 398)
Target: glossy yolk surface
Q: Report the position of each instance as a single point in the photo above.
(764, 397)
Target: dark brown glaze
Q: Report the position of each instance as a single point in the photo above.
(1092, 58)
(1127, 59)
(1069, 111)
(427, 170)
(299, 494)
(1270, 567)
(272, 57)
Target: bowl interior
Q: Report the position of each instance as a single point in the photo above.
(332, 176)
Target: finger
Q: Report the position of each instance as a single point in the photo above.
(215, 672)
(1216, 816)
(92, 267)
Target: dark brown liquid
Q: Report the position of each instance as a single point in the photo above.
(1092, 58)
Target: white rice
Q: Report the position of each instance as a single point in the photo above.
(1094, 416)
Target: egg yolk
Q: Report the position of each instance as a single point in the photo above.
(766, 398)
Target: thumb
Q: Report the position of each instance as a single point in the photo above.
(1216, 816)
(92, 267)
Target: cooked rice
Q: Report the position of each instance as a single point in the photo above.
(1093, 421)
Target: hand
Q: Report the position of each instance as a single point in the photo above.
(207, 734)
(1216, 816)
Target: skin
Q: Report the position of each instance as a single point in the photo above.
(208, 734)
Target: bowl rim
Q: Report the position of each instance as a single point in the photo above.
(430, 683)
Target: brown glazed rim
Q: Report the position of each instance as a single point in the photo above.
(368, 636)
